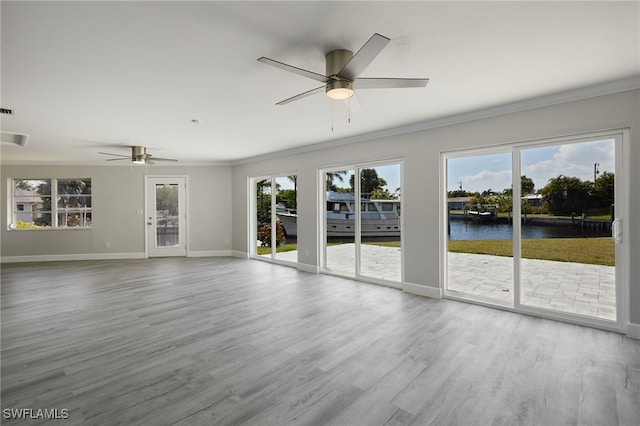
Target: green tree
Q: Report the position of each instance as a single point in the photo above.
(44, 189)
(332, 176)
(458, 193)
(603, 189)
(567, 195)
(286, 197)
(294, 200)
(263, 201)
(25, 185)
(526, 185)
(382, 194)
(167, 200)
(369, 181)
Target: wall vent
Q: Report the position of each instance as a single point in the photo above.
(7, 111)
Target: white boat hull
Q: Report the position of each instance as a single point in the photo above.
(289, 222)
(346, 227)
(379, 218)
(368, 228)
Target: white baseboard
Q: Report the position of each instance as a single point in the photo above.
(106, 256)
(633, 331)
(240, 254)
(210, 253)
(62, 257)
(422, 290)
(313, 269)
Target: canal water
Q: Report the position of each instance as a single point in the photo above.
(461, 230)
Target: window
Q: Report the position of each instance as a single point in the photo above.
(34, 206)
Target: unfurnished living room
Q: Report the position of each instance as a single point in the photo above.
(320, 213)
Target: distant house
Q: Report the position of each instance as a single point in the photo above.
(26, 202)
(458, 203)
(533, 200)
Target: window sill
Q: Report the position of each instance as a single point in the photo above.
(48, 229)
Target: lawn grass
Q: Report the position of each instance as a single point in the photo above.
(280, 249)
(595, 251)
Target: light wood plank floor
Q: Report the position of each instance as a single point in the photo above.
(232, 341)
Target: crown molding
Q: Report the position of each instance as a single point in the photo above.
(602, 89)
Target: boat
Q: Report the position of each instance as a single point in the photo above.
(379, 218)
(487, 213)
(289, 220)
(480, 216)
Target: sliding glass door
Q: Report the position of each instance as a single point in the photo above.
(362, 222)
(275, 219)
(567, 249)
(286, 217)
(558, 250)
(340, 222)
(480, 227)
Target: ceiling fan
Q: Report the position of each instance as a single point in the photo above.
(138, 156)
(343, 68)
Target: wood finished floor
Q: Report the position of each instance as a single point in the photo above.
(231, 341)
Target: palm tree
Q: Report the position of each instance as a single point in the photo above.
(294, 179)
(331, 176)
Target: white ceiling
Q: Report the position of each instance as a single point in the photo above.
(85, 77)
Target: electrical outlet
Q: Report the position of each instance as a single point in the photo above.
(107, 244)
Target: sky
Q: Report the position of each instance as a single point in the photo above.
(390, 173)
(480, 173)
(483, 172)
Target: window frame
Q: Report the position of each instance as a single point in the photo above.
(622, 252)
(55, 196)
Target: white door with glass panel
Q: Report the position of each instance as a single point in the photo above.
(166, 216)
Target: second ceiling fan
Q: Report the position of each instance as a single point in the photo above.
(139, 155)
(343, 69)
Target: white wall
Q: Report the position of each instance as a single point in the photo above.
(421, 150)
(218, 195)
(118, 196)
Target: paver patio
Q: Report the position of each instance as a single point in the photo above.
(562, 286)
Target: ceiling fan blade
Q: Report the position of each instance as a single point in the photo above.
(159, 159)
(363, 57)
(303, 95)
(119, 159)
(115, 155)
(295, 70)
(148, 161)
(389, 83)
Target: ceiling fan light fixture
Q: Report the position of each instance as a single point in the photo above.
(138, 154)
(339, 90)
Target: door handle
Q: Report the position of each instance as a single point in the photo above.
(150, 221)
(616, 230)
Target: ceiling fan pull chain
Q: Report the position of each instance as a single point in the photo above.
(349, 113)
(332, 114)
